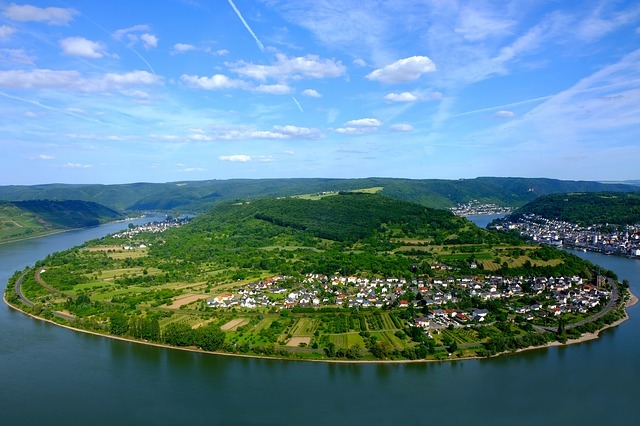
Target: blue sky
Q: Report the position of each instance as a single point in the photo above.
(139, 91)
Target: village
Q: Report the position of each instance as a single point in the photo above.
(625, 242)
(475, 207)
(433, 301)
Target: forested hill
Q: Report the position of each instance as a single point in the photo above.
(586, 208)
(346, 217)
(200, 196)
(20, 219)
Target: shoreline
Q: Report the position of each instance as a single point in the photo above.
(584, 338)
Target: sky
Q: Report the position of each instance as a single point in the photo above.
(182, 90)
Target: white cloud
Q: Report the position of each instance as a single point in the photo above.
(309, 66)
(504, 114)
(274, 89)
(478, 25)
(404, 70)
(215, 82)
(364, 122)
(6, 31)
(360, 126)
(298, 132)
(50, 15)
(360, 62)
(311, 93)
(38, 78)
(402, 127)
(149, 40)
(121, 33)
(222, 52)
(235, 158)
(401, 97)
(77, 166)
(42, 157)
(15, 56)
(192, 169)
(183, 47)
(276, 133)
(44, 78)
(131, 78)
(78, 46)
(134, 36)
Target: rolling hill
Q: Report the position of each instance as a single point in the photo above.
(200, 196)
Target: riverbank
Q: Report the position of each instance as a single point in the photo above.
(584, 338)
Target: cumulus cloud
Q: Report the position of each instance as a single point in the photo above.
(404, 70)
(235, 158)
(6, 31)
(309, 66)
(215, 82)
(401, 97)
(298, 132)
(137, 34)
(311, 93)
(274, 89)
(183, 47)
(504, 114)
(78, 46)
(49, 15)
(364, 122)
(360, 126)
(402, 127)
(149, 40)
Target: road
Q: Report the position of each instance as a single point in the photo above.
(18, 287)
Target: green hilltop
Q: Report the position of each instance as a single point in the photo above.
(586, 209)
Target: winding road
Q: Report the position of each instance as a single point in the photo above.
(39, 280)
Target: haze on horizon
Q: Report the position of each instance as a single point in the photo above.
(122, 91)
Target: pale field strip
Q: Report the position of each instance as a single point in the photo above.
(234, 324)
(295, 341)
(186, 299)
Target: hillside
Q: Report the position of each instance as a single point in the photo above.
(21, 219)
(200, 196)
(586, 209)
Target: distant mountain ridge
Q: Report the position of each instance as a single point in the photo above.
(23, 219)
(200, 196)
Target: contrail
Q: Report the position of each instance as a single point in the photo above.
(43, 106)
(260, 45)
(297, 103)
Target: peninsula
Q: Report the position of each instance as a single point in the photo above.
(338, 276)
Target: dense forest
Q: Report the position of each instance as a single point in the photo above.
(200, 196)
(586, 209)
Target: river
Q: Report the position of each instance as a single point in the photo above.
(52, 375)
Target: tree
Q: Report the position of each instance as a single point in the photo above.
(118, 324)
(209, 337)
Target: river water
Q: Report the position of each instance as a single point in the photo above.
(51, 375)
